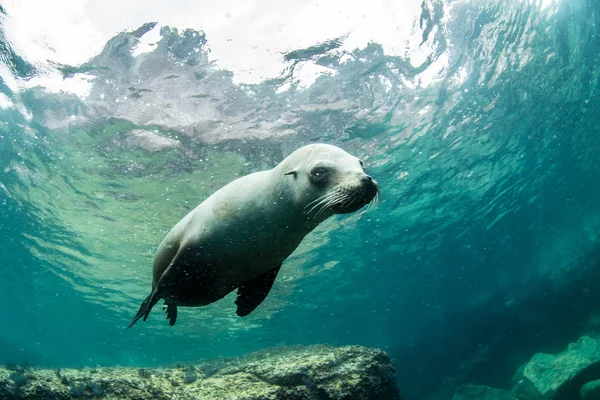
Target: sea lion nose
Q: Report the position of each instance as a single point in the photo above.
(369, 183)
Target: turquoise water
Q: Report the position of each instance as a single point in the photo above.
(484, 250)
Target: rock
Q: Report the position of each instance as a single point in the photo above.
(560, 376)
(149, 141)
(289, 373)
(477, 392)
(591, 390)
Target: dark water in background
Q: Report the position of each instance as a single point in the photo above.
(484, 250)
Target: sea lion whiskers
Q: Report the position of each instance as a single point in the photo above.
(343, 199)
(329, 203)
(319, 199)
(374, 203)
(327, 198)
(349, 199)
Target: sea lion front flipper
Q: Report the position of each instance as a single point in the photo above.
(253, 292)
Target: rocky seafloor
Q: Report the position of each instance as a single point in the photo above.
(300, 373)
(573, 374)
(287, 373)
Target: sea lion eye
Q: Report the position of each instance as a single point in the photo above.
(318, 172)
(318, 175)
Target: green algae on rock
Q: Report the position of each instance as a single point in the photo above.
(590, 391)
(561, 376)
(287, 373)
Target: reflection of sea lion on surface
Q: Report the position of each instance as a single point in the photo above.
(238, 237)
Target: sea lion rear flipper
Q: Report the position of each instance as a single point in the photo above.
(253, 292)
(153, 298)
(145, 308)
(171, 313)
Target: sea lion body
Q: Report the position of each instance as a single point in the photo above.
(239, 236)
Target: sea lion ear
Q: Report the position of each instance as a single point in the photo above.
(292, 172)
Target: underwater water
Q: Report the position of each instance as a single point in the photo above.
(480, 125)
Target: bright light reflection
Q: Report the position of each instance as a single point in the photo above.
(248, 38)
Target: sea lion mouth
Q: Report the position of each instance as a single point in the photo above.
(345, 200)
(355, 200)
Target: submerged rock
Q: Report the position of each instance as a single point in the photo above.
(477, 392)
(591, 390)
(149, 141)
(562, 376)
(314, 372)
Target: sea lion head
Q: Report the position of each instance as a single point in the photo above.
(327, 180)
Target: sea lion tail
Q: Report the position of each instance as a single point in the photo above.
(145, 308)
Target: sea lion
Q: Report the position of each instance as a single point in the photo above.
(239, 236)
